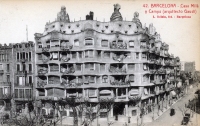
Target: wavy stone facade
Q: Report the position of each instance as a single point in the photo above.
(94, 60)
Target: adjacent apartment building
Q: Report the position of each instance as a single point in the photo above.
(17, 64)
(116, 60)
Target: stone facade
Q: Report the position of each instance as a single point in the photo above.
(119, 60)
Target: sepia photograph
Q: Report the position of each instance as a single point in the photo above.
(99, 63)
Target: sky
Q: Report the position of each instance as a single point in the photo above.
(182, 35)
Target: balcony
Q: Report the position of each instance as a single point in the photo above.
(119, 58)
(41, 84)
(161, 71)
(152, 61)
(158, 62)
(5, 96)
(5, 83)
(152, 71)
(65, 59)
(54, 82)
(167, 62)
(1, 71)
(68, 70)
(120, 83)
(21, 72)
(118, 46)
(117, 70)
(45, 49)
(45, 60)
(144, 47)
(106, 96)
(23, 60)
(71, 84)
(152, 50)
(66, 48)
(42, 72)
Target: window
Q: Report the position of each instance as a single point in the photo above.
(40, 56)
(89, 66)
(144, 56)
(104, 43)
(30, 79)
(18, 67)
(26, 55)
(8, 78)
(20, 80)
(120, 42)
(78, 67)
(21, 93)
(17, 56)
(29, 56)
(73, 55)
(145, 66)
(54, 43)
(89, 54)
(24, 67)
(39, 45)
(41, 92)
(145, 91)
(88, 41)
(28, 93)
(102, 67)
(54, 67)
(92, 93)
(145, 78)
(131, 44)
(76, 42)
(8, 67)
(80, 54)
(16, 93)
(30, 67)
(131, 66)
(137, 55)
(54, 55)
(106, 55)
(49, 92)
(105, 79)
(131, 78)
(58, 92)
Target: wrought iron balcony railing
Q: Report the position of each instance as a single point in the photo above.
(119, 46)
(117, 70)
(45, 49)
(119, 83)
(5, 83)
(67, 71)
(42, 72)
(66, 48)
(65, 59)
(5, 96)
(119, 58)
(41, 84)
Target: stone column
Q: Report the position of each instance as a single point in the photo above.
(126, 93)
(116, 93)
(111, 111)
(126, 109)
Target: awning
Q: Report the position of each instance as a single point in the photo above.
(173, 93)
(105, 92)
(134, 92)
